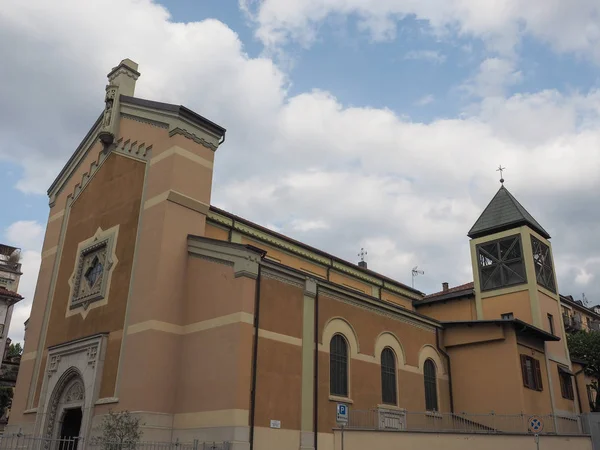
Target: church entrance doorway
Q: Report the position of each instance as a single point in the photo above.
(70, 427)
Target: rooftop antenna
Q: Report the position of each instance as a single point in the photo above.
(501, 169)
(415, 272)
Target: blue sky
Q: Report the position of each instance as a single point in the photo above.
(350, 123)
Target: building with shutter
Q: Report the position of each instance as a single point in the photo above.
(208, 326)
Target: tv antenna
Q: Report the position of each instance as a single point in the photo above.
(416, 272)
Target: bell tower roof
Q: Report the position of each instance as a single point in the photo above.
(502, 213)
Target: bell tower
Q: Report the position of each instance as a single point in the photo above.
(513, 269)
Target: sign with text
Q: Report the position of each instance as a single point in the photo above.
(342, 414)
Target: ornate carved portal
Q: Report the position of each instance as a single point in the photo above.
(70, 389)
(66, 407)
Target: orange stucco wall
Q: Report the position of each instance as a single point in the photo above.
(486, 377)
(450, 310)
(515, 302)
(454, 336)
(365, 376)
(397, 299)
(101, 204)
(548, 305)
(538, 402)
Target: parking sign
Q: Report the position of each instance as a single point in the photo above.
(342, 413)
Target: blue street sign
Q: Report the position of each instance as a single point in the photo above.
(342, 413)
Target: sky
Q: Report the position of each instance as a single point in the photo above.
(375, 124)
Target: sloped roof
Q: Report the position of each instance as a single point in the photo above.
(459, 288)
(502, 213)
(6, 293)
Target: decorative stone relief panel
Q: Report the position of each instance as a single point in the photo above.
(94, 265)
(73, 376)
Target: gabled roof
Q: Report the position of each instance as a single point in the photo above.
(502, 213)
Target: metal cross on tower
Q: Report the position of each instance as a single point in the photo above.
(362, 254)
(500, 169)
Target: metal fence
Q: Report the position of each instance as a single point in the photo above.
(400, 420)
(21, 442)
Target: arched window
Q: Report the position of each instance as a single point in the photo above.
(388, 376)
(338, 366)
(431, 402)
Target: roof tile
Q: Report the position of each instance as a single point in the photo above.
(503, 212)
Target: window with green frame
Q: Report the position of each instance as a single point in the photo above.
(501, 263)
(542, 261)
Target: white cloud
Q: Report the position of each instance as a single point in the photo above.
(425, 100)
(338, 177)
(567, 26)
(494, 76)
(583, 278)
(308, 225)
(25, 234)
(28, 236)
(426, 55)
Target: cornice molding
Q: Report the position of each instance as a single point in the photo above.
(193, 137)
(280, 243)
(154, 123)
(309, 255)
(245, 261)
(364, 302)
(174, 122)
(282, 277)
(138, 151)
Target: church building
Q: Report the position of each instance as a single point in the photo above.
(208, 326)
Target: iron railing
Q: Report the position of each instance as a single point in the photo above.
(22, 442)
(401, 420)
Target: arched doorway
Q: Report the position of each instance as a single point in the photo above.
(65, 411)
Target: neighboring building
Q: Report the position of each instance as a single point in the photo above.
(577, 316)
(211, 327)
(10, 275)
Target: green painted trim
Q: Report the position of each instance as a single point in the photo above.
(280, 243)
(398, 290)
(356, 273)
(297, 250)
(219, 218)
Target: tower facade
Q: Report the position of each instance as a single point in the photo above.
(514, 278)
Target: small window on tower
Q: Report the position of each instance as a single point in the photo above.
(551, 323)
(508, 316)
(501, 263)
(542, 260)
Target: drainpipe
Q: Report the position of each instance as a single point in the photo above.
(316, 368)
(254, 358)
(577, 389)
(437, 338)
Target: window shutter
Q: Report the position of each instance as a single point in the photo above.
(524, 370)
(538, 376)
(570, 389)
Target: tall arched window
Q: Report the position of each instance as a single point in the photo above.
(388, 376)
(431, 402)
(338, 366)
